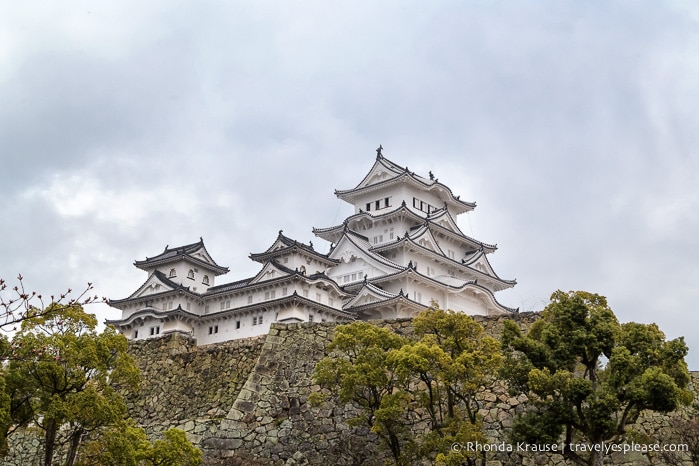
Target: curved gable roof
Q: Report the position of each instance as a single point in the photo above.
(194, 252)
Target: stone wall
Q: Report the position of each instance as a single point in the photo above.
(246, 402)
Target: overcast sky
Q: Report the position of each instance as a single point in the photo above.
(127, 126)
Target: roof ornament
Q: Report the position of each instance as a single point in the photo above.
(378, 152)
(280, 232)
(310, 243)
(365, 278)
(431, 175)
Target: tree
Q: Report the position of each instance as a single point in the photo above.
(432, 379)
(359, 372)
(128, 445)
(64, 377)
(18, 304)
(587, 376)
(453, 360)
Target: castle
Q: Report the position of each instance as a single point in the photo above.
(400, 251)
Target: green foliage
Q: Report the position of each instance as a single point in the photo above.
(587, 375)
(396, 382)
(362, 374)
(127, 445)
(120, 445)
(63, 376)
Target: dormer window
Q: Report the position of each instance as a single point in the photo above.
(205, 280)
(190, 274)
(173, 273)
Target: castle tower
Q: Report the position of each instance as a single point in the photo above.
(403, 250)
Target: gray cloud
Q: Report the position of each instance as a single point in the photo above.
(127, 127)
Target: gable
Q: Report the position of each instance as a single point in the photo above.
(347, 251)
(153, 285)
(369, 294)
(381, 171)
(424, 237)
(270, 271)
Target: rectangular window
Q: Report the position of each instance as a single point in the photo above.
(305, 293)
(346, 279)
(310, 317)
(266, 295)
(385, 202)
(215, 328)
(211, 330)
(331, 302)
(284, 291)
(377, 205)
(354, 276)
(368, 206)
(318, 297)
(259, 320)
(223, 305)
(273, 294)
(189, 305)
(416, 203)
(206, 309)
(376, 240)
(237, 324)
(390, 235)
(250, 299)
(380, 238)
(254, 320)
(135, 334)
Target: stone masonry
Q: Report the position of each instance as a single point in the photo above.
(245, 402)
